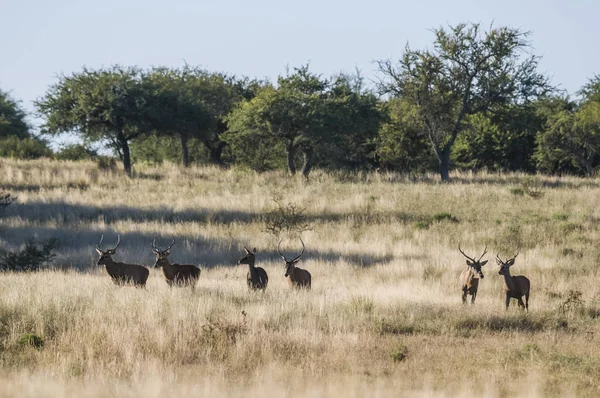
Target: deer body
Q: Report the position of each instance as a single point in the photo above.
(516, 286)
(121, 273)
(469, 277)
(257, 278)
(175, 274)
(297, 277)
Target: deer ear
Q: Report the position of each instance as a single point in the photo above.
(167, 252)
(155, 251)
(99, 251)
(483, 263)
(511, 262)
(469, 263)
(111, 251)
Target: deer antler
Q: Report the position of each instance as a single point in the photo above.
(171, 245)
(154, 243)
(301, 253)
(463, 253)
(279, 251)
(498, 257)
(118, 242)
(484, 251)
(98, 245)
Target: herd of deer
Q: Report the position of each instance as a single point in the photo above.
(188, 275)
(257, 278)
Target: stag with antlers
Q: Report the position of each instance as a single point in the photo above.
(469, 277)
(121, 273)
(257, 277)
(175, 274)
(516, 286)
(297, 277)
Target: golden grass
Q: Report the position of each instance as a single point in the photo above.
(384, 317)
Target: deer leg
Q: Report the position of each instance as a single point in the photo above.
(527, 302)
(507, 300)
(464, 296)
(473, 298)
(521, 303)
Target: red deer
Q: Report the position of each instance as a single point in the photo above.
(297, 277)
(257, 277)
(516, 286)
(469, 277)
(121, 273)
(175, 274)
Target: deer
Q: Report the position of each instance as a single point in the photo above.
(469, 277)
(175, 274)
(297, 277)
(121, 273)
(516, 286)
(257, 277)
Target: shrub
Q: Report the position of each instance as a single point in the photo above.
(76, 152)
(6, 199)
(24, 148)
(31, 340)
(286, 217)
(399, 354)
(30, 258)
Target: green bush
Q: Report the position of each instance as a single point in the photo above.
(76, 152)
(24, 148)
(32, 340)
(30, 258)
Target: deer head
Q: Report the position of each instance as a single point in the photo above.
(290, 264)
(505, 265)
(475, 264)
(105, 255)
(161, 255)
(250, 256)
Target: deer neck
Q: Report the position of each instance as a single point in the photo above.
(509, 282)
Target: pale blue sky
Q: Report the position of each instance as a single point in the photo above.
(41, 38)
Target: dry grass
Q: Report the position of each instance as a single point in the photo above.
(383, 318)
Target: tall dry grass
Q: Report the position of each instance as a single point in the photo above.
(384, 316)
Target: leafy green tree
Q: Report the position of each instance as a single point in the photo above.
(75, 152)
(401, 145)
(12, 118)
(571, 141)
(468, 71)
(192, 103)
(292, 113)
(107, 105)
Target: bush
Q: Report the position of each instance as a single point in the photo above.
(286, 217)
(6, 199)
(32, 340)
(24, 148)
(30, 258)
(76, 152)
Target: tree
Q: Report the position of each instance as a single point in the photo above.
(192, 103)
(571, 140)
(108, 105)
(401, 145)
(467, 72)
(12, 118)
(292, 113)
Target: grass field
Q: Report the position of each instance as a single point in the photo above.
(384, 316)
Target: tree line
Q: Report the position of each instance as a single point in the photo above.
(473, 100)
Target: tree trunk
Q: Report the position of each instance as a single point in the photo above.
(307, 166)
(216, 152)
(185, 153)
(290, 159)
(126, 155)
(444, 159)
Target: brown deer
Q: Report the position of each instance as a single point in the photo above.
(121, 273)
(516, 286)
(257, 277)
(469, 277)
(297, 277)
(175, 274)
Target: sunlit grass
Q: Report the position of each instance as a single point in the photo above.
(384, 314)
